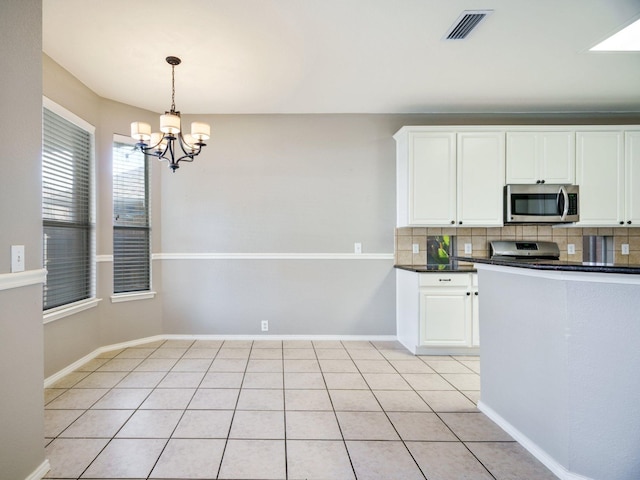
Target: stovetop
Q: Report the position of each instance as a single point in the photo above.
(523, 250)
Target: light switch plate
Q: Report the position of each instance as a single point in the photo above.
(625, 249)
(17, 258)
(357, 247)
(571, 249)
(416, 248)
(468, 248)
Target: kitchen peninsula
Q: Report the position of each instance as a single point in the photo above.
(560, 358)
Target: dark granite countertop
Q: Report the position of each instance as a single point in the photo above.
(559, 265)
(455, 268)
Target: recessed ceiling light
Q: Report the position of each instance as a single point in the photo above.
(626, 40)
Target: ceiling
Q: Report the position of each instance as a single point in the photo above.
(347, 56)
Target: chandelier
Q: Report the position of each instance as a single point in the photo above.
(165, 145)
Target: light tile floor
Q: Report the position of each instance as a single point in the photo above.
(330, 410)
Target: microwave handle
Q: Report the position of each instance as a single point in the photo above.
(563, 203)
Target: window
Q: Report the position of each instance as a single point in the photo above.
(67, 157)
(131, 232)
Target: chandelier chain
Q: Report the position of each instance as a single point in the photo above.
(173, 88)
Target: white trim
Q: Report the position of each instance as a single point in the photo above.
(123, 139)
(78, 363)
(574, 276)
(515, 128)
(260, 256)
(547, 460)
(71, 309)
(129, 297)
(41, 471)
(67, 115)
(22, 279)
(345, 338)
(272, 256)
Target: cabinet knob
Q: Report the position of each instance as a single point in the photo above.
(621, 223)
(460, 223)
(541, 181)
(629, 222)
(476, 294)
(468, 293)
(453, 222)
(537, 181)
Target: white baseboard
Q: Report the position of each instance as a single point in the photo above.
(78, 363)
(533, 448)
(40, 472)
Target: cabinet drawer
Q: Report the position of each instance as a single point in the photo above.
(444, 280)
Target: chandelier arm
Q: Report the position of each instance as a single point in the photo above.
(151, 150)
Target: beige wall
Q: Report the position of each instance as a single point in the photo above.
(265, 184)
(21, 358)
(71, 338)
(480, 238)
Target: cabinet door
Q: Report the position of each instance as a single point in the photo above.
(600, 175)
(444, 318)
(522, 158)
(432, 178)
(475, 319)
(535, 157)
(480, 179)
(557, 157)
(632, 178)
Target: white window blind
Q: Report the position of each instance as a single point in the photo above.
(66, 211)
(131, 231)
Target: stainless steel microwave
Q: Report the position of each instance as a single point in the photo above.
(541, 203)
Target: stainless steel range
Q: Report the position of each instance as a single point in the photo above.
(523, 250)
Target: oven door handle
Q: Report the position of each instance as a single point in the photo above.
(563, 203)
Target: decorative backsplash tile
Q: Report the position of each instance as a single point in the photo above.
(480, 238)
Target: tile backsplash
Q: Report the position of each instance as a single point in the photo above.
(479, 238)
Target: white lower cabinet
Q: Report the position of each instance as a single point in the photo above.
(444, 317)
(437, 313)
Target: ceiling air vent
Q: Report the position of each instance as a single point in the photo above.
(467, 21)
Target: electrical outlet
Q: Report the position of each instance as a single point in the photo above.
(416, 248)
(625, 249)
(357, 247)
(571, 249)
(468, 249)
(17, 258)
(264, 325)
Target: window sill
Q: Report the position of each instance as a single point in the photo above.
(71, 309)
(130, 297)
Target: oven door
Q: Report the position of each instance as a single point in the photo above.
(541, 203)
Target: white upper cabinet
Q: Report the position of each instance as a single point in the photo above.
(540, 157)
(600, 174)
(480, 174)
(426, 175)
(632, 178)
(446, 178)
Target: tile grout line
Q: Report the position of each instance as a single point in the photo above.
(335, 414)
(124, 423)
(284, 416)
(183, 411)
(235, 408)
(386, 413)
(447, 425)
